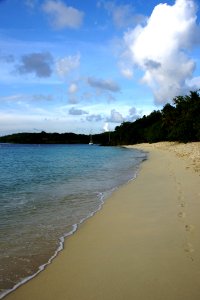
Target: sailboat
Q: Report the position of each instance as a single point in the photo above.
(91, 142)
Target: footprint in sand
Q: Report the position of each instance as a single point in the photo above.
(189, 228)
(181, 214)
(180, 197)
(188, 248)
(180, 192)
(182, 204)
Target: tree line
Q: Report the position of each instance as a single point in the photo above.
(45, 138)
(179, 121)
(54, 138)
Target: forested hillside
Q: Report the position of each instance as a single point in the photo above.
(177, 122)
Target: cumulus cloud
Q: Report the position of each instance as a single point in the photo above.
(37, 63)
(77, 112)
(160, 48)
(63, 16)
(106, 85)
(115, 117)
(67, 64)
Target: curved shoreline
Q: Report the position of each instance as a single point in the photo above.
(143, 244)
(63, 239)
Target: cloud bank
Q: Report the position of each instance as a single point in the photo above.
(161, 49)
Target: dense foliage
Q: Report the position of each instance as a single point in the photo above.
(53, 138)
(45, 138)
(177, 122)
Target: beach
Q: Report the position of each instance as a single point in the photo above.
(143, 244)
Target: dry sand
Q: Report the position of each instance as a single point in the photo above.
(144, 244)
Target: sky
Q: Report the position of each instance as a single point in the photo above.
(87, 66)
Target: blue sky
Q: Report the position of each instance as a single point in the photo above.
(87, 66)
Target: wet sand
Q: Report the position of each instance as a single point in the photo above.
(144, 244)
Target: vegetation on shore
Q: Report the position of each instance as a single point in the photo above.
(53, 138)
(177, 122)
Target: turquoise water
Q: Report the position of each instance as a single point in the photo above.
(46, 191)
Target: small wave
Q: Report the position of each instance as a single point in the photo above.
(42, 267)
(102, 196)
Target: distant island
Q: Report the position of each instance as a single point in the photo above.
(178, 122)
(53, 138)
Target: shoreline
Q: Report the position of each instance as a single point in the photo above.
(121, 252)
(102, 196)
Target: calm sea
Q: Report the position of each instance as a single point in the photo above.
(46, 191)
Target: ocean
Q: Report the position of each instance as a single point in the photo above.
(46, 192)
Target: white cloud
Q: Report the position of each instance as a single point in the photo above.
(67, 64)
(160, 48)
(73, 88)
(115, 117)
(127, 73)
(63, 16)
